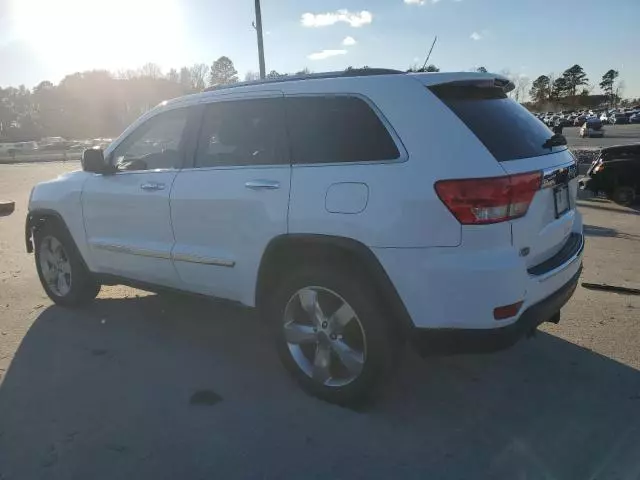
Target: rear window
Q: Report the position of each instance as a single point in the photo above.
(505, 127)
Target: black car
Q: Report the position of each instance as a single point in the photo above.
(616, 173)
(619, 119)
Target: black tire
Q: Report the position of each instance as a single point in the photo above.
(624, 195)
(381, 340)
(83, 287)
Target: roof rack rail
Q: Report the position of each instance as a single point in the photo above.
(350, 72)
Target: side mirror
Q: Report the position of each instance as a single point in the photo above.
(93, 161)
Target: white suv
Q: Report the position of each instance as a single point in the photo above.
(354, 209)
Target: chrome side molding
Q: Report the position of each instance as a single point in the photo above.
(191, 258)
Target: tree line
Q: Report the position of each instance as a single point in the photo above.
(573, 87)
(100, 103)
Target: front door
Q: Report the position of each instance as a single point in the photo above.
(234, 199)
(126, 215)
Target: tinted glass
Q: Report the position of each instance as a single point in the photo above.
(242, 132)
(505, 127)
(155, 144)
(336, 129)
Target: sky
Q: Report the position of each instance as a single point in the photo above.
(48, 39)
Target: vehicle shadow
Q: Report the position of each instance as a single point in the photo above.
(595, 231)
(598, 204)
(165, 386)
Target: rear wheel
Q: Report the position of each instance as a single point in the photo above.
(624, 195)
(62, 273)
(332, 334)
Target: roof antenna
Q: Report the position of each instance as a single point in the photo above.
(429, 54)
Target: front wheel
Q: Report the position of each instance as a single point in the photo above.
(332, 334)
(62, 273)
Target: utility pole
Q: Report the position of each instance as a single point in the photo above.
(258, 26)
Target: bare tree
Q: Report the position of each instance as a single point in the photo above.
(619, 91)
(173, 76)
(199, 73)
(522, 85)
(151, 70)
(185, 79)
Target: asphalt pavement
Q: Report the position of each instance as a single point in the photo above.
(145, 386)
(613, 135)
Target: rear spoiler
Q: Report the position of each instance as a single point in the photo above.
(465, 79)
(505, 84)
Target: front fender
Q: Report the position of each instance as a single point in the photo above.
(60, 198)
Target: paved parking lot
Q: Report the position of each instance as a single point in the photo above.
(613, 135)
(165, 387)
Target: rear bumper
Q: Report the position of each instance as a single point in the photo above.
(452, 341)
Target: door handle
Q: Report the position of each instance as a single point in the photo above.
(262, 184)
(152, 186)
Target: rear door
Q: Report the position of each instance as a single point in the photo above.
(234, 198)
(519, 142)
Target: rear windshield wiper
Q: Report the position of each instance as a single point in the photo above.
(556, 140)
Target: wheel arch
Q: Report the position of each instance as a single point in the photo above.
(37, 218)
(289, 250)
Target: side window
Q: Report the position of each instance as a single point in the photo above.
(242, 132)
(154, 144)
(337, 129)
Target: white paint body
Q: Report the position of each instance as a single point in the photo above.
(206, 232)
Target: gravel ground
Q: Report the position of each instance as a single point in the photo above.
(163, 387)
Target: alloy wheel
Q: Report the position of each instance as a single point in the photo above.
(325, 336)
(55, 266)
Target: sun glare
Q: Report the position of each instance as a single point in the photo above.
(114, 34)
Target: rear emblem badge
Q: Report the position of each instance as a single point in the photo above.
(524, 251)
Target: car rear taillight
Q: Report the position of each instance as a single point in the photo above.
(478, 201)
(598, 168)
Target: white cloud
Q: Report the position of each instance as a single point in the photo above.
(326, 54)
(355, 19)
(348, 41)
(421, 2)
(476, 36)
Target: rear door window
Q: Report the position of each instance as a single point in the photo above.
(243, 133)
(507, 129)
(335, 129)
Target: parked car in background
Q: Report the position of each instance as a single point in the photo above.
(604, 118)
(579, 120)
(592, 127)
(14, 148)
(554, 120)
(324, 207)
(616, 173)
(635, 118)
(619, 118)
